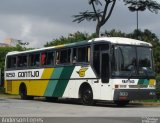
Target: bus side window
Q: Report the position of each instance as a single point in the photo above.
(34, 60)
(43, 58)
(24, 61)
(37, 60)
(57, 57)
(63, 56)
(9, 62)
(31, 60)
(13, 62)
(74, 58)
(50, 58)
(84, 54)
(19, 61)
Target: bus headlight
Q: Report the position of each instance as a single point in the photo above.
(116, 86)
(152, 93)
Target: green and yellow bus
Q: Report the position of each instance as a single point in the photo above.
(108, 68)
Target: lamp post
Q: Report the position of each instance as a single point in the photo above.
(137, 8)
(137, 19)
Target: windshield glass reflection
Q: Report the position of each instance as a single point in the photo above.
(128, 61)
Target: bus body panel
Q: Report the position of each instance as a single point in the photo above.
(57, 82)
(68, 86)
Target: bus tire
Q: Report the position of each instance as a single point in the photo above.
(121, 103)
(86, 95)
(23, 92)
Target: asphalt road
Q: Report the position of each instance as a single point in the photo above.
(74, 111)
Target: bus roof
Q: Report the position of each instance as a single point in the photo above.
(121, 40)
(112, 40)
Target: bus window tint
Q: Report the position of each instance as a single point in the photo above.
(22, 61)
(47, 58)
(63, 56)
(43, 58)
(50, 58)
(13, 62)
(8, 62)
(31, 60)
(74, 57)
(83, 54)
(34, 60)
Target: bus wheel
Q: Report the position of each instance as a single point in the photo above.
(52, 99)
(87, 96)
(23, 93)
(121, 103)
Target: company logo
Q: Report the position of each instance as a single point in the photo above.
(82, 71)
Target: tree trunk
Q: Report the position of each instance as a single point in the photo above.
(98, 27)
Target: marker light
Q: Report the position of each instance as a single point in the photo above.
(116, 86)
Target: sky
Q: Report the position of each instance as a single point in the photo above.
(41, 21)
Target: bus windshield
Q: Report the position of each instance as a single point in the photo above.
(132, 61)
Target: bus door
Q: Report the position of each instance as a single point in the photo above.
(105, 71)
(104, 66)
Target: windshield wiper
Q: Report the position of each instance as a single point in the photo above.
(131, 74)
(148, 72)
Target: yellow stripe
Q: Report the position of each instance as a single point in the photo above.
(38, 87)
(152, 82)
(47, 73)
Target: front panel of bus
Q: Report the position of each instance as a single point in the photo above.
(132, 72)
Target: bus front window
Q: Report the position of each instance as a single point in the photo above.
(132, 61)
(125, 57)
(145, 66)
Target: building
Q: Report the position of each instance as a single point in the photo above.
(3, 45)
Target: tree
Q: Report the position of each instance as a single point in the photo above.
(142, 5)
(75, 37)
(101, 16)
(158, 87)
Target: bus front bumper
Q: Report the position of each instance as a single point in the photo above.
(134, 94)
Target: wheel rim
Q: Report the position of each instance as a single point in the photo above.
(23, 93)
(87, 97)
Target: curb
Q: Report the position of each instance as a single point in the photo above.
(151, 103)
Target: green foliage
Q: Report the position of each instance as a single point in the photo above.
(158, 86)
(78, 36)
(142, 5)
(158, 78)
(114, 33)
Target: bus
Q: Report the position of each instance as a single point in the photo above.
(102, 69)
